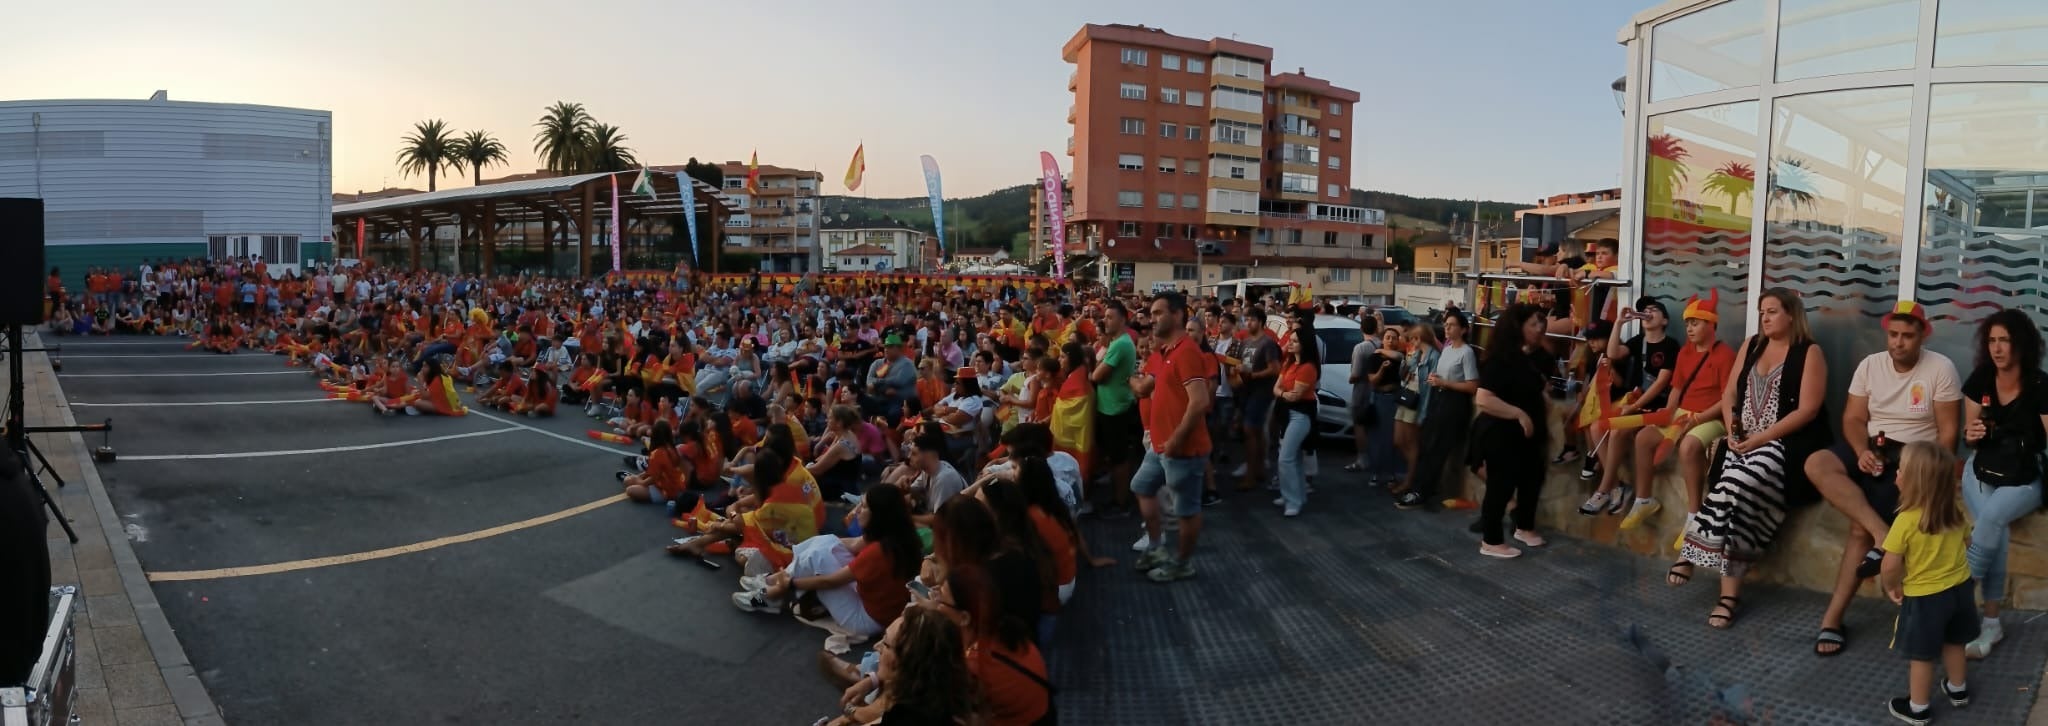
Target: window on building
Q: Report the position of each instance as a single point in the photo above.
(1169, 95)
(1195, 98)
(1130, 199)
(1134, 56)
(1132, 91)
(1336, 134)
(1167, 130)
(1263, 236)
(1232, 201)
(1336, 191)
(1190, 201)
(1196, 65)
(1340, 274)
(1169, 61)
(217, 247)
(1329, 239)
(1185, 272)
(1127, 229)
(1300, 153)
(1234, 66)
(1294, 236)
(1130, 162)
(1379, 275)
(1336, 109)
(1298, 183)
(1233, 132)
(1191, 166)
(1165, 200)
(1233, 167)
(1163, 230)
(1235, 99)
(1166, 164)
(1236, 272)
(1134, 126)
(1189, 231)
(1194, 133)
(1334, 162)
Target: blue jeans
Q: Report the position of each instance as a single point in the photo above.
(1293, 487)
(1182, 474)
(1994, 509)
(1382, 460)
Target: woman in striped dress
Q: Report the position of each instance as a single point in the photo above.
(1773, 410)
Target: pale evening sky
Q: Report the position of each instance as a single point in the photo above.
(1512, 108)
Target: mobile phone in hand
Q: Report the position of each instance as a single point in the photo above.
(917, 587)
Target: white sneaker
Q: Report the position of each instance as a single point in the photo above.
(1144, 543)
(1989, 636)
(1280, 502)
(1594, 504)
(753, 583)
(1239, 471)
(1291, 512)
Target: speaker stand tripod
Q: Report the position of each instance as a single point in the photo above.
(18, 431)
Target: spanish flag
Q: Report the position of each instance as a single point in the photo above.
(1073, 418)
(855, 168)
(754, 173)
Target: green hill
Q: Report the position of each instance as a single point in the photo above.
(1000, 219)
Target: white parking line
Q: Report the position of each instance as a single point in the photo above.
(189, 354)
(329, 450)
(55, 340)
(178, 375)
(550, 434)
(153, 404)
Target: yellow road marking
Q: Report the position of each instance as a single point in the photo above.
(307, 564)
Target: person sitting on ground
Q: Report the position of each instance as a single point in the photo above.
(960, 412)
(1900, 396)
(663, 481)
(541, 396)
(395, 394)
(994, 606)
(933, 478)
(843, 454)
(773, 515)
(859, 581)
(636, 416)
(920, 676)
(437, 392)
(506, 389)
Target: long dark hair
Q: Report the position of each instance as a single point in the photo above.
(931, 668)
(889, 527)
(1035, 480)
(2026, 340)
(1309, 346)
(1000, 595)
(965, 532)
(661, 437)
(1505, 342)
(1013, 516)
(769, 470)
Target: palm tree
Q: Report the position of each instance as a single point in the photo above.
(563, 136)
(428, 150)
(1791, 183)
(1667, 173)
(1733, 180)
(605, 150)
(476, 150)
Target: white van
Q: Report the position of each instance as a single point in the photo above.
(1257, 289)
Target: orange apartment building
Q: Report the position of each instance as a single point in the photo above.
(779, 220)
(1182, 145)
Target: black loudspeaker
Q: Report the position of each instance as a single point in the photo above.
(21, 261)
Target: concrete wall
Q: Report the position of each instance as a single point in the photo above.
(1807, 554)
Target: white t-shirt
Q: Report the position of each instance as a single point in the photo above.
(1902, 404)
(1066, 476)
(970, 405)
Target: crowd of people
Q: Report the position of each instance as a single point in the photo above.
(967, 428)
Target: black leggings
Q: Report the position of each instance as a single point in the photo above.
(1443, 431)
(1514, 470)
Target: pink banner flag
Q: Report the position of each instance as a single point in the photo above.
(1056, 210)
(359, 238)
(618, 223)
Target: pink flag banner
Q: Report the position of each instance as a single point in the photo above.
(1056, 209)
(618, 223)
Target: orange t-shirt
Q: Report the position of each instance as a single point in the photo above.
(1297, 374)
(1014, 698)
(1062, 549)
(664, 467)
(1171, 370)
(882, 593)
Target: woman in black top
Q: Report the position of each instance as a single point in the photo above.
(1511, 386)
(2005, 402)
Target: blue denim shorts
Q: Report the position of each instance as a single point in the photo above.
(1183, 475)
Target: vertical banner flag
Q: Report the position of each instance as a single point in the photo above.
(690, 213)
(858, 166)
(1055, 208)
(754, 173)
(359, 238)
(617, 264)
(931, 185)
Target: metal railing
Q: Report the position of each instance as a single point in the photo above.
(1513, 286)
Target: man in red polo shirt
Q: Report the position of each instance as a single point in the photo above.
(1174, 387)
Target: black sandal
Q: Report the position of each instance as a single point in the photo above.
(1676, 578)
(1838, 636)
(1728, 603)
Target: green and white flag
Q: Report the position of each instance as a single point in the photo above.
(644, 184)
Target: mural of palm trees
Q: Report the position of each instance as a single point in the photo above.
(563, 136)
(605, 150)
(1733, 180)
(476, 150)
(1667, 175)
(1791, 183)
(429, 149)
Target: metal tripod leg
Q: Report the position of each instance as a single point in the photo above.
(45, 461)
(50, 503)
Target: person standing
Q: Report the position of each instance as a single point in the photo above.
(1902, 395)
(1296, 392)
(1118, 429)
(1260, 366)
(2005, 401)
(1175, 386)
(1511, 388)
(1447, 415)
(1364, 361)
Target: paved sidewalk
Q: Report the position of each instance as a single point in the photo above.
(131, 669)
(1357, 612)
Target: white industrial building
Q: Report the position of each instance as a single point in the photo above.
(128, 181)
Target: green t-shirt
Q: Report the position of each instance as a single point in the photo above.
(1113, 397)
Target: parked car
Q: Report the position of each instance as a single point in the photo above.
(1335, 337)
